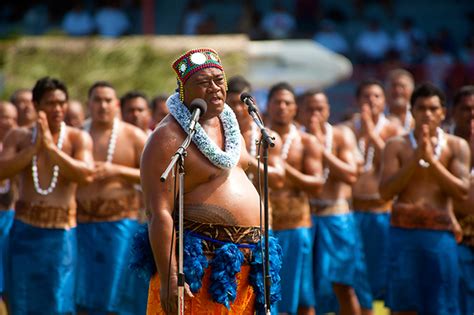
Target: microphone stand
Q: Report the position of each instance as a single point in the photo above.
(266, 141)
(178, 157)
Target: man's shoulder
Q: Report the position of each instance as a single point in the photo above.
(456, 143)
(166, 133)
(133, 132)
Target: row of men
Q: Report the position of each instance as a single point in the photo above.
(378, 195)
(316, 174)
(69, 203)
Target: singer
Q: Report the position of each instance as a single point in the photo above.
(222, 258)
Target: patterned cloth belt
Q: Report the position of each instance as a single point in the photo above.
(100, 209)
(42, 215)
(420, 217)
(467, 225)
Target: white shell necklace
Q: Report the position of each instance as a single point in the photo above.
(371, 150)
(289, 139)
(408, 120)
(34, 165)
(437, 150)
(327, 146)
(112, 141)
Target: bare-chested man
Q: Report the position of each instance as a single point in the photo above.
(339, 264)
(372, 212)
(135, 110)
(159, 110)
(463, 117)
(107, 208)
(221, 206)
(23, 101)
(49, 160)
(400, 84)
(8, 121)
(290, 204)
(425, 170)
(249, 130)
(75, 115)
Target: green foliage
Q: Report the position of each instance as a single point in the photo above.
(142, 63)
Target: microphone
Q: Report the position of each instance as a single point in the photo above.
(198, 108)
(247, 99)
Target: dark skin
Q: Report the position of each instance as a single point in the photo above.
(74, 160)
(205, 184)
(464, 121)
(446, 178)
(276, 170)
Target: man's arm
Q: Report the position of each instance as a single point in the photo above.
(130, 174)
(276, 166)
(311, 179)
(455, 179)
(395, 177)
(343, 166)
(159, 201)
(11, 161)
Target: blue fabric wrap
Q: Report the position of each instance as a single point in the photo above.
(6, 222)
(466, 282)
(296, 274)
(41, 270)
(374, 230)
(103, 256)
(225, 264)
(338, 258)
(134, 295)
(423, 272)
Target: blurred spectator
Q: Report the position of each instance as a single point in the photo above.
(250, 21)
(207, 26)
(78, 22)
(409, 41)
(437, 63)
(331, 39)
(75, 114)
(159, 110)
(111, 21)
(193, 17)
(307, 13)
(373, 43)
(467, 57)
(444, 37)
(278, 23)
(36, 19)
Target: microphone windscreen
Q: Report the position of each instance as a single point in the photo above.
(198, 103)
(245, 96)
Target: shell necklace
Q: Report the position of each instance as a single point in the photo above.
(289, 139)
(34, 165)
(437, 150)
(327, 146)
(371, 150)
(112, 141)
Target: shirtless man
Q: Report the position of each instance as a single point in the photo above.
(372, 212)
(425, 170)
(75, 116)
(400, 84)
(159, 110)
(291, 216)
(135, 110)
(221, 206)
(108, 207)
(49, 160)
(249, 130)
(463, 117)
(339, 264)
(23, 101)
(8, 121)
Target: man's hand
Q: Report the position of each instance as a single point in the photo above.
(425, 147)
(104, 170)
(457, 231)
(368, 125)
(169, 303)
(43, 133)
